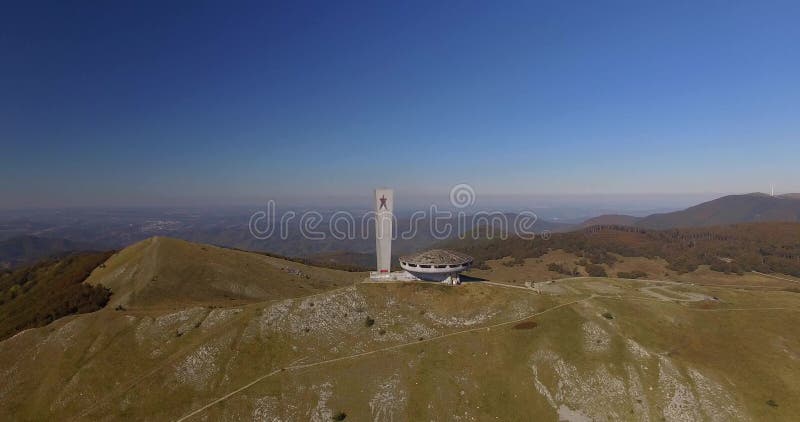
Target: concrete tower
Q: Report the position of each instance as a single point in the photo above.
(384, 204)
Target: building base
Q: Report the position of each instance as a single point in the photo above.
(453, 280)
(449, 279)
(392, 276)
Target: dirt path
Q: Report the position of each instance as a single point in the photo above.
(527, 289)
(778, 308)
(776, 277)
(181, 352)
(298, 366)
(512, 286)
(381, 350)
(661, 284)
(687, 296)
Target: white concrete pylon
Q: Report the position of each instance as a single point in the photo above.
(384, 208)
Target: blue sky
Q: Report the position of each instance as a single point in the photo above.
(193, 102)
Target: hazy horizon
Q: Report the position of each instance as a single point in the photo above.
(406, 201)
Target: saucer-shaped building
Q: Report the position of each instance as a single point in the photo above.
(437, 265)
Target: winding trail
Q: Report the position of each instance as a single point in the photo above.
(181, 352)
(376, 351)
(512, 286)
(297, 365)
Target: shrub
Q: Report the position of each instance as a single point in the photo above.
(632, 274)
(514, 262)
(340, 416)
(481, 265)
(369, 322)
(607, 315)
(595, 270)
(562, 269)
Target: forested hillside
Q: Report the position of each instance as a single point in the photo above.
(765, 247)
(731, 209)
(38, 294)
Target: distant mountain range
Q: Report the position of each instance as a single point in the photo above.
(73, 236)
(611, 220)
(731, 209)
(26, 249)
(98, 231)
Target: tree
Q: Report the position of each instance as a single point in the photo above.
(595, 270)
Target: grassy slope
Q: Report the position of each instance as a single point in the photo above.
(154, 363)
(165, 272)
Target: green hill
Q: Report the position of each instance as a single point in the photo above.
(572, 349)
(166, 272)
(731, 209)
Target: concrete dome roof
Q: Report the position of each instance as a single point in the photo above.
(437, 257)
